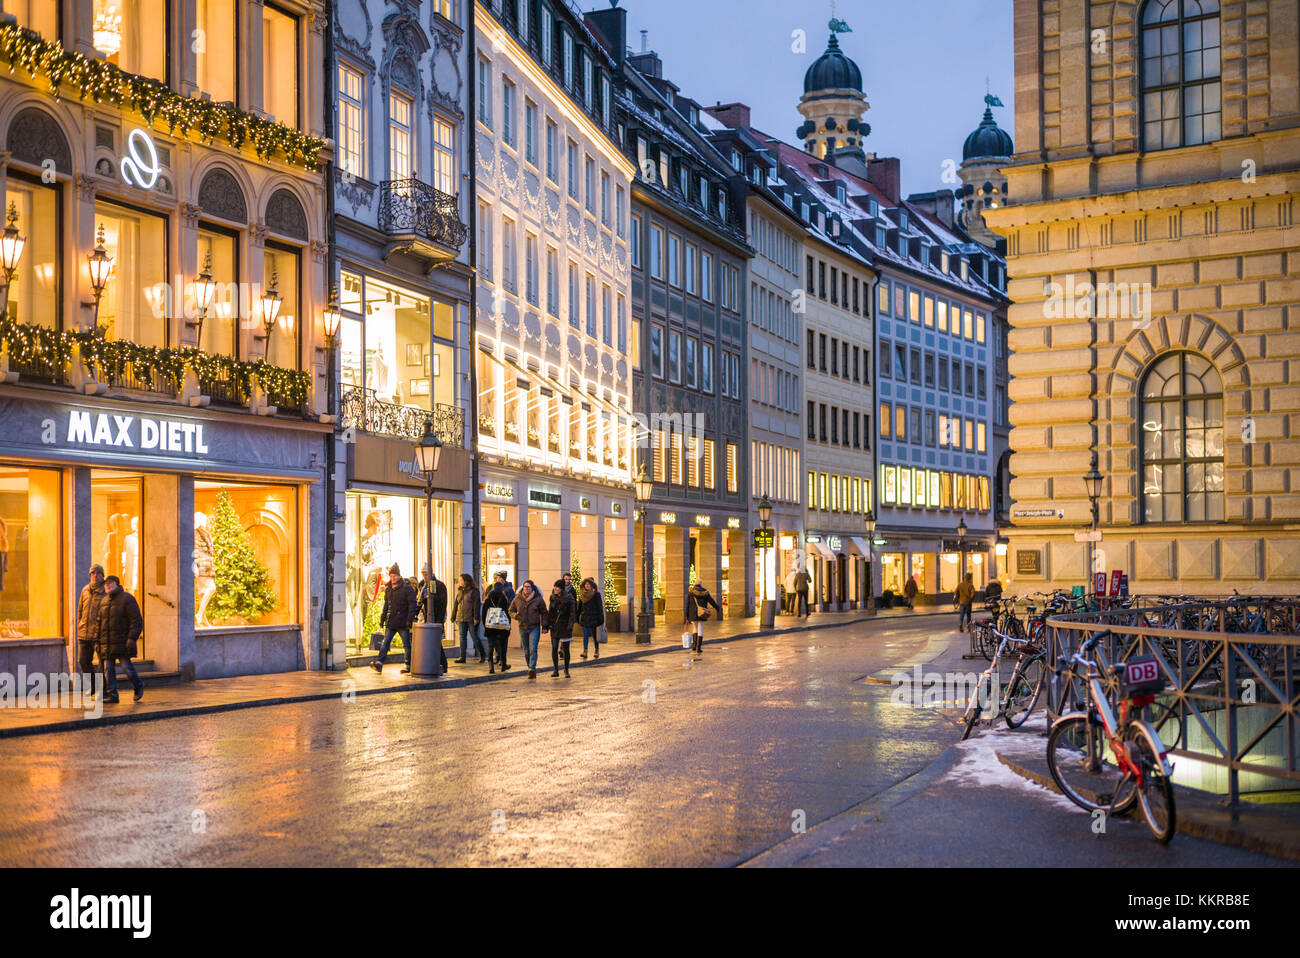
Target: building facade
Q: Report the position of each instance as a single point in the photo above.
(401, 270)
(162, 350)
(688, 266)
(1151, 242)
(553, 340)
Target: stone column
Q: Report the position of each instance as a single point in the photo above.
(708, 562)
(80, 552)
(740, 574)
(164, 567)
(677, 570)
(186, 644)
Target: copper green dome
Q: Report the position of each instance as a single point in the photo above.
(988, 139)
(832, 71)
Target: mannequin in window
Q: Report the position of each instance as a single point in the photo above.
(131, 556)
(112, 539)
(382, 375)
(205, 582)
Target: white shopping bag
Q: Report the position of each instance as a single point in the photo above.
(688, 639)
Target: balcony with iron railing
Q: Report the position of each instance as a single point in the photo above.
(367, 412)
(420, 219)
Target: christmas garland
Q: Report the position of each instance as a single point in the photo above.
(51, 349)
(155, 101)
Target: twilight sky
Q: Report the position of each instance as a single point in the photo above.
(923, 65)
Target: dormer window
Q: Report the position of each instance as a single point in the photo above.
(902, 220)
(841, 194)
(736, 163)
(965, 270)
(873, 207)
(943, 260)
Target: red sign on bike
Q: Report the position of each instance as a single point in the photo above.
(1115, 577)
(1099, 583)
(1141, 671)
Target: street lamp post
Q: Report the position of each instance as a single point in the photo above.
(271, 303)
(331, 319)
(11, 249)
(645, 620)
(101, 265)
(1092, 483)
(428, 453)
(961, 539)
(870, 523)
(767, 607)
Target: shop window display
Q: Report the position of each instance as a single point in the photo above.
(382, 530)
(116, 530)
(30, 562)
(245, 554)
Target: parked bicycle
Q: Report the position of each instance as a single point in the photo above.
(1137, 768)
(1022, 691)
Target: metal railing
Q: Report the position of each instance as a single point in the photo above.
(373, 415)
(410, 206)
(1233, 673)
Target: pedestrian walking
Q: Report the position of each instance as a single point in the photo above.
(909, 592)
(431, 606)
(529, 610)
(504, 579)
(965, 596)
(567, 579)
(120, 625)
(591, 615)
(561, 614)
(698, 601)
(397, 616)
(465, 614)
(92, 593)
(802, 583)
(789, 588)
(496, 625)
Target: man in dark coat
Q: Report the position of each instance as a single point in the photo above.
(397, 616)
(498, 638)
(120, 625)
(88, 625)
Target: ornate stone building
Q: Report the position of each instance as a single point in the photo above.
(1158, 146)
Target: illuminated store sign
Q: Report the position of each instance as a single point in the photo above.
(668, 518)
(544, 498)
(704, 521)
(141, 167)
(733, 523)
(130, 432)
(499, 491)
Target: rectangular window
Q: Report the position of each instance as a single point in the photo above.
(914, 305)
(507, 112)
(900, 362)
(674, 356)
(485, 92)
(732, 477)
(821, 280)
(606, 316)
(970, 380)
(835, 296)
(981, 437)
(657, 350)
(444, 157)
(956, 376)
(693, 461)
(674, 254)
(546, 39)
(692, 346)
(689, 270)
(968, 324)
(943, 315)
(882, 297)
(485, 241)
(279, 62)
(589, 168)
(943, 370)
(706, 367)
(281, 265)
(812, 420)
(656, 252)
(706, 276)
(591, 306)
(929, 310)
(661, 445)
(634, 242)
(835, 361)
(530, 131)
(676, 458)
(401, 137)
(508, 254)
(552, 148)
(351, 122)
(709, 480)
(604, 197)
(970, 435)
(915, 425)
(929, 370)
(219, 327)
(899, 293)
(916, 367)
(137, 243)
(620, 223)
(273, 540)
(553, 281)
(945, 431)
(573, 168)
(575, 300)
(900, 423)
(566, 75)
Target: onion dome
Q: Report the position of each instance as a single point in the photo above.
(988, 139)
(832, 71)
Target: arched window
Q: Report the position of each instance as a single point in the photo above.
(1180, 73)
(1182, 440)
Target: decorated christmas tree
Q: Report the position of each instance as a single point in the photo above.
(243, 583)
(612, 599)
(575, 570)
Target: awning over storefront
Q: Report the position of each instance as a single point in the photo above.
(860, 547)
(822, 548)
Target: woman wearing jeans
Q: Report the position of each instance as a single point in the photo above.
(465, 613)
(529, 610)
(591, 614)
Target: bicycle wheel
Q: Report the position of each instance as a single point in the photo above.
(1156, 796)
(976, 706)
(1023, 690)
(1077, 761)
(988, 642)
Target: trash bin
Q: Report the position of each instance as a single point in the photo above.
(426, 648)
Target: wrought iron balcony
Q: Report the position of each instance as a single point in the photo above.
(418, 218)
(374, 415)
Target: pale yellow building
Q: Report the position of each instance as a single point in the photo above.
(1158, 147)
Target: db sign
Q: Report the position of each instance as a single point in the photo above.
(1141, 672)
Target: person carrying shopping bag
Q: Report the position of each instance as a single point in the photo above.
(698, 601)
(529, 610)
(496, 625)
(591, 615)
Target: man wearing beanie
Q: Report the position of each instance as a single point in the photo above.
(396, 616)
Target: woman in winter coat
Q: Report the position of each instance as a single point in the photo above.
(591, 614)
(529, 610)
(465, 613)
(561, 614)
(698, 601)
(498, 638)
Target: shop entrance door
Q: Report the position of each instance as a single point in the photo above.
(117, 534)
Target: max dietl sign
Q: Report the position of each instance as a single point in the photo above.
(135, 435)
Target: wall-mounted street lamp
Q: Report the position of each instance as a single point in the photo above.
(101, 267)
(271, 303)
(204, 289)
(11, 249)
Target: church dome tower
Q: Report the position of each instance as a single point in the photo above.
(833, 103)
(987, 149)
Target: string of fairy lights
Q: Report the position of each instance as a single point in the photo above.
(51, 350)
(103, 82)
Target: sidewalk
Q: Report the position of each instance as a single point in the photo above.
(252, 691)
